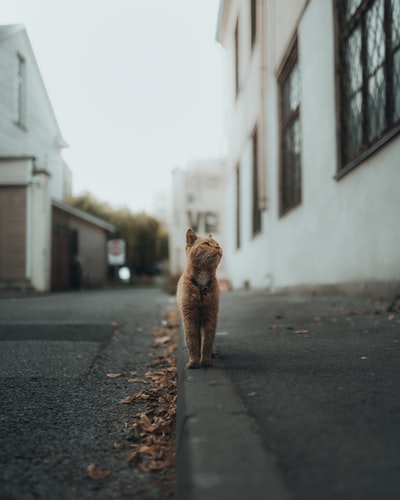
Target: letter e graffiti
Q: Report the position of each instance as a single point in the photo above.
(194, 224)
(211, 222)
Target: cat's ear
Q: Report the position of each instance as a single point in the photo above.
(191, 237)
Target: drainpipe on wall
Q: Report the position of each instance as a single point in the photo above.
(262, 175)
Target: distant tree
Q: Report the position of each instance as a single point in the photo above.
(146, 239)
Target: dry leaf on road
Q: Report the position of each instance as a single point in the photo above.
(95, 474)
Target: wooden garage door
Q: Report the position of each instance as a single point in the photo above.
(12, 233)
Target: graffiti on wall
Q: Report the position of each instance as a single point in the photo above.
(203, 222)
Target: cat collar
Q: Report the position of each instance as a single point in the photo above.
(203, 289)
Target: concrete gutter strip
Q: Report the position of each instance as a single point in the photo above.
(219, 453)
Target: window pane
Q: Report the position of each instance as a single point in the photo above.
(396, 86)
(395, 22)
(286, 173)
(291, 92)
(375, 36)
(396, 59)
(376, 104)
(294, 88)
(353, 64)
(354, 127)
(291, 180)
(296, 162)
(351, 7)
(369, 75)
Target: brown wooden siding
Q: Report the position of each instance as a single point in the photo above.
(12, 233)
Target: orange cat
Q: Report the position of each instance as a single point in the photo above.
(198, 297)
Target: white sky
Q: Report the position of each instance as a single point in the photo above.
(136, 86)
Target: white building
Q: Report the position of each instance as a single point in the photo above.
(196, 203)
(312, 181)
(39, 237)
(32, 170)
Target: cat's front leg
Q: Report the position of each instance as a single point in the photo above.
(192, 339)
(207, 342)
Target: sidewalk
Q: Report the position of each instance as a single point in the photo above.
(303, 402)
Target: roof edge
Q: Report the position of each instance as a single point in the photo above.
(8, 30)
(80, 214)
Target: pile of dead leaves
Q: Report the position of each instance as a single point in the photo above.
(152, 431)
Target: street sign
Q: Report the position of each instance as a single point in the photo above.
(116, 252)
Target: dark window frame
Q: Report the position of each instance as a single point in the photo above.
(236, 62)
(253, 22)
(21, 91)
(290, 164)
(256, 211)
(238, 206)
(359, 137)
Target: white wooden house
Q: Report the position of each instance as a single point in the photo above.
(33, 172)
(313, 162)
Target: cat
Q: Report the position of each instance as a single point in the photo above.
(198, 298)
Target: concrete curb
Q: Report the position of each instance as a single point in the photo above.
(219, 454)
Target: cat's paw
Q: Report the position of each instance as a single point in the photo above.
(192, 364)
(206, 363)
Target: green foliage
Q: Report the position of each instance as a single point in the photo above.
(146, 239)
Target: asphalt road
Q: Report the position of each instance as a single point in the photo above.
(59, 412)
(320, 380)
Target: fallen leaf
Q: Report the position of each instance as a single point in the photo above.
(139, 395)
(352, 312)
(132, 434)
(114, 375)
(391, 316)
(273, 327)
(161, 340)
(301, 331)
(152, 431)
(97, 474)
(316, 318)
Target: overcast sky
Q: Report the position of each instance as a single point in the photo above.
(136, 86)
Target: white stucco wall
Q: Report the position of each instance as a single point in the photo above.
(344, 231)
(39, 231)
(248, 264)
(197, 202)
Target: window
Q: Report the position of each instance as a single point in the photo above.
(290, 134)
(256, 206)
(253, 21)
(368, 77)
(238, 228)
(20, 92)
(237, 58)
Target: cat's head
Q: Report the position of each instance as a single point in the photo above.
(202, 252)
